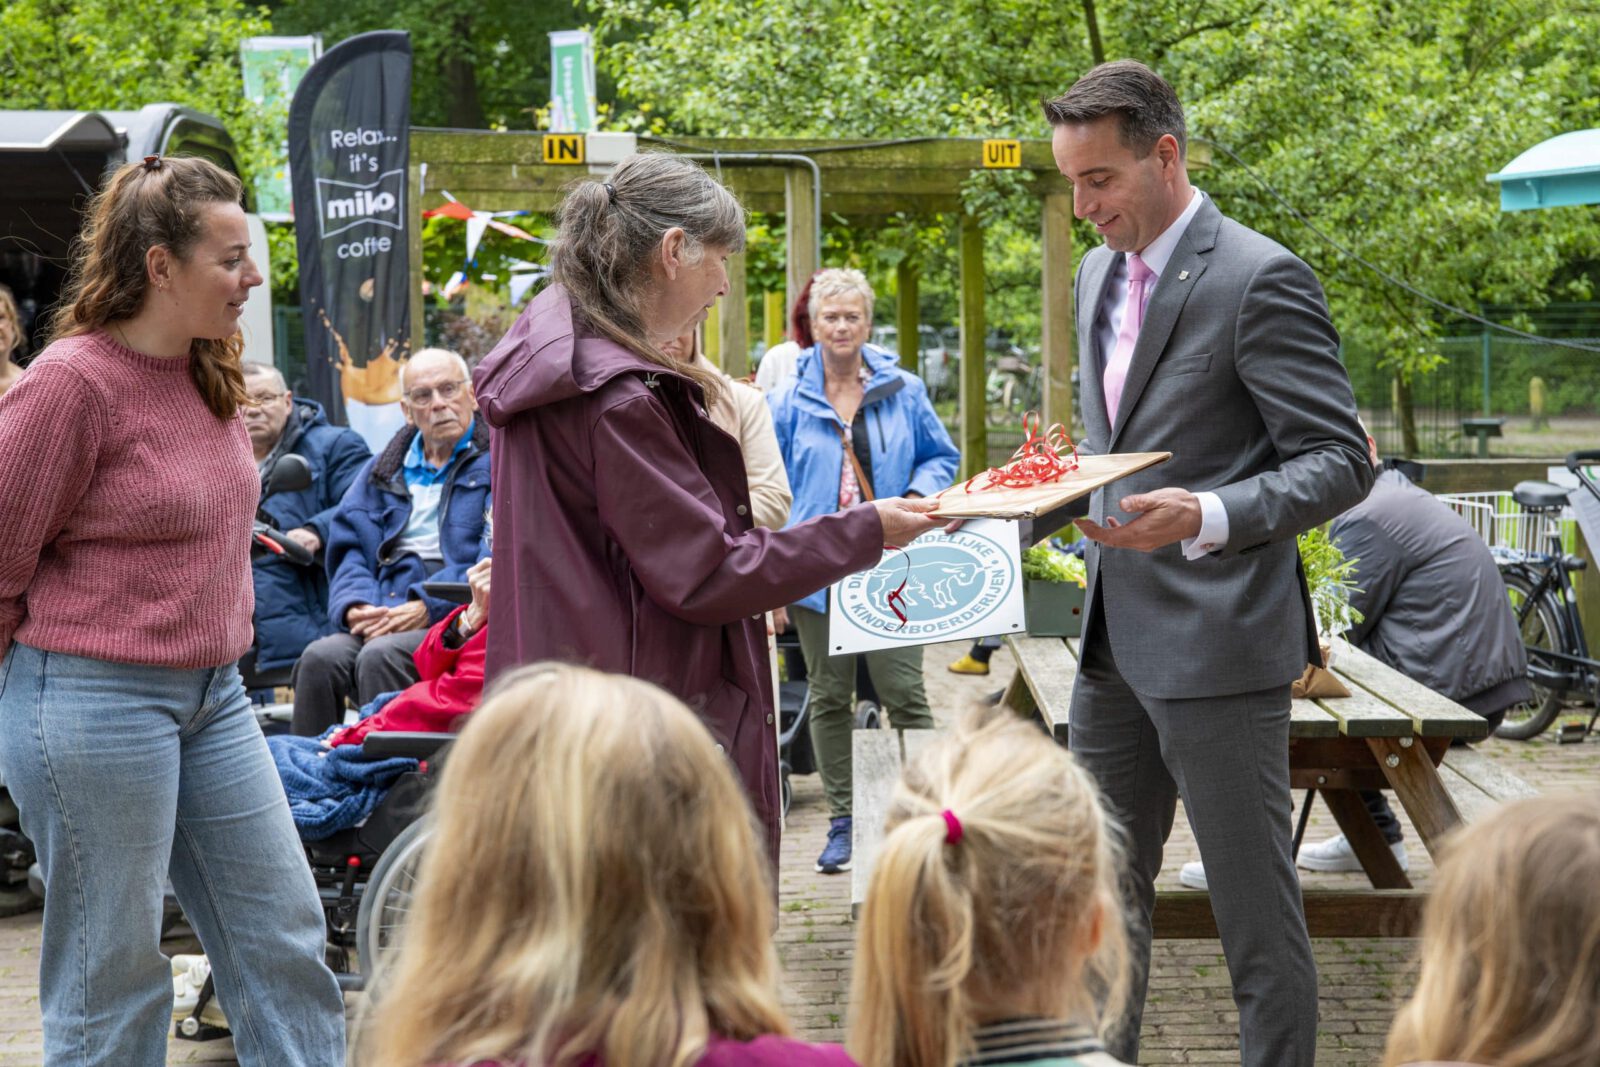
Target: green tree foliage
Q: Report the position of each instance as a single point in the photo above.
(478, 63)
(110, 55)
(1378, 121)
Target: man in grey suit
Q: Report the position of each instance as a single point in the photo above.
(1200, 337)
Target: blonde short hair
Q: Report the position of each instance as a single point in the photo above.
(1019, 916)
(836, 282)
(1510, 953)
(616, 893)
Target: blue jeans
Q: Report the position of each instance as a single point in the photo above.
(125, 774)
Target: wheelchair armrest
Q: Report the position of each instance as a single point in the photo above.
(454, 592)
(404, 743)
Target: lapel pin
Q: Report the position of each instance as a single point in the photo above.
(1183, 275)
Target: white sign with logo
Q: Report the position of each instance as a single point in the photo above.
(949, 587)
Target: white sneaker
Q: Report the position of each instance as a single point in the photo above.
(186, 989)
(1193, 875)
(1335, 854)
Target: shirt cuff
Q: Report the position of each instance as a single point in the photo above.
(1213, 535)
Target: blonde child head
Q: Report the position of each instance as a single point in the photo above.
(1510, 971)
(593, 883)
(994, 896)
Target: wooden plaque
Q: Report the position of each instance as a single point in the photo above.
(1035, 500)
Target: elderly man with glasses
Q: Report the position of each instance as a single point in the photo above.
(417, 512)
(291, 600)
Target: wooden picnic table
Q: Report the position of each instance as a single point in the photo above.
(1391, 733)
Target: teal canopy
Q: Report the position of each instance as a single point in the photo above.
(1562, 171)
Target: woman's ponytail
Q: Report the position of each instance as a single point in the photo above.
(157, 202)
(607, 233)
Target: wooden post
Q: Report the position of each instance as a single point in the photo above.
(905, 276)
(711, 336)
(733, 321)
(1057, 330)
(773, 321)
(413, 252)
(974, 403)
(800, 227)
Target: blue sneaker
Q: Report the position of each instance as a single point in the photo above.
(836, 856)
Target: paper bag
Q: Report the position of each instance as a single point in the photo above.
(1317, 681)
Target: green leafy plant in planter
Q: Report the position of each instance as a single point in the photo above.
(1328, 576)
(1052, 591)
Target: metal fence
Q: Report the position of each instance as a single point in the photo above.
(1488, 373)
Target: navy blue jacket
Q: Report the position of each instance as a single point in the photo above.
(362, 566)
(292, 601)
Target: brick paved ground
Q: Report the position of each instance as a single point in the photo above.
(1190, 1017)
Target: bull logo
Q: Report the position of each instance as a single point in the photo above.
(933, 584)
(945, 585)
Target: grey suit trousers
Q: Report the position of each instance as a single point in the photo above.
(1228, 757)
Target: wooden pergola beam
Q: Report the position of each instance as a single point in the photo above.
(502, 171)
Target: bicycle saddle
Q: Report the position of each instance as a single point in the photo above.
(1538, 496)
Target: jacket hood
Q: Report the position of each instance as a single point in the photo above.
(884, 379)
(387, 464)
(310, 412)
(545, 358)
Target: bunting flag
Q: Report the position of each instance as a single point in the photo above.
(475, 227)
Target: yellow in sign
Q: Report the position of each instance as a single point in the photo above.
(1002, 153)
(563, 148)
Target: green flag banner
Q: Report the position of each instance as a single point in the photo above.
(273, 67)
(572, 81)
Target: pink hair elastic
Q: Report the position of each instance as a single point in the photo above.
(952, 827)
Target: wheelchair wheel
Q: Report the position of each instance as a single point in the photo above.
(785, 787)
(386, 901)
(868, 715)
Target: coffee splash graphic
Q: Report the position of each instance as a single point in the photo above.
(378, 382)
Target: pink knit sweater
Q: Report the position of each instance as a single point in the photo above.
(125, 511)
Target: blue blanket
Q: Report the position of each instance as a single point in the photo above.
(333, 789)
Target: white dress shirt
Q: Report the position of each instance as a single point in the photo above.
(1157, 254)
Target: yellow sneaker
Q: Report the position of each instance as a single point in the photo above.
(968, 665)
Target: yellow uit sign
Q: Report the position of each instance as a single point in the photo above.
(1002, 153)
(563, 148)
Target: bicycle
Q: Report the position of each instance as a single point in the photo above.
(1539, 585)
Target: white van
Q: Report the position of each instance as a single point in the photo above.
(51, 162)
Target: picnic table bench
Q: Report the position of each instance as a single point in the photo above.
(1391, 733)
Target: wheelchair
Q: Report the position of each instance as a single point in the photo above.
(795, 754)
(365, 875)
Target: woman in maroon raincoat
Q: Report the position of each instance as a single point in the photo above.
(623, 534)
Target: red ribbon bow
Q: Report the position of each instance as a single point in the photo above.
(1037, 461)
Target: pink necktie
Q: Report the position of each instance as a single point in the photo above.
(1116, 373)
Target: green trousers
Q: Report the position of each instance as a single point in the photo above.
(896, 675)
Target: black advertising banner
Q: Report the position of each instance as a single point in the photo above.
(349, 145)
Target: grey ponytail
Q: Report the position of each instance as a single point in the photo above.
(608, 231)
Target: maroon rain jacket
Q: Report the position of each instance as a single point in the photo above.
(623, 537)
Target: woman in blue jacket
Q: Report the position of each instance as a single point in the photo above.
(853, 426)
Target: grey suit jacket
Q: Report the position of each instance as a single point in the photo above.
(1236, 373)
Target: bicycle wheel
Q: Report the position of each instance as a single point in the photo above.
(386, 901)
(1542, 627)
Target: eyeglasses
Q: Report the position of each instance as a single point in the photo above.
(261, 401)
(447, 392)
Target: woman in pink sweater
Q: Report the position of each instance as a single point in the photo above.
(127, 488)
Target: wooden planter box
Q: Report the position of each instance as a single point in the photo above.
(1053, 609)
